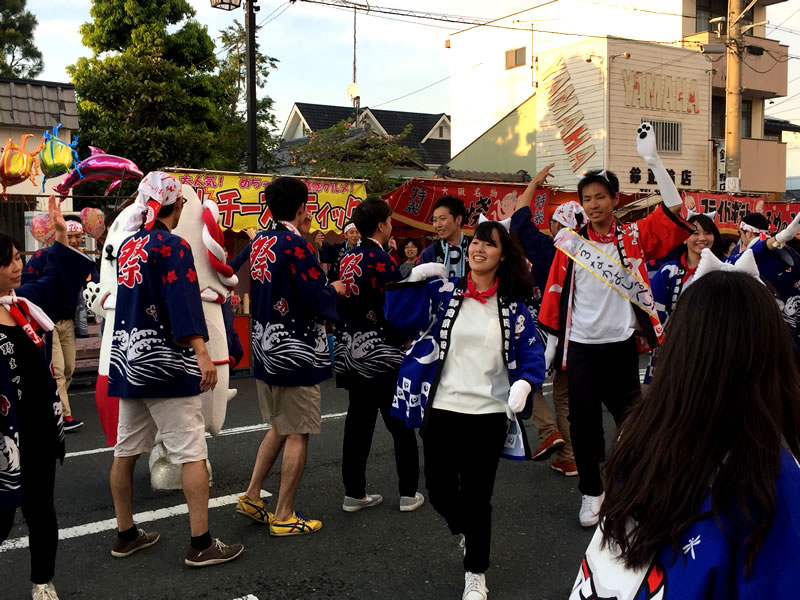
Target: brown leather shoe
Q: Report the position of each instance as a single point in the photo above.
(217, 553)
(123, 548)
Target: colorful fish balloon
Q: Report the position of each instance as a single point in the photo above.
(17, 165)
(99, 165)
(57, 156)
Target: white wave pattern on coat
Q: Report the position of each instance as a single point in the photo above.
(143, 357)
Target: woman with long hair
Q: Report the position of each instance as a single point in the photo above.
(703, 485)
(475, 364)
(409, 251)
(31, 418)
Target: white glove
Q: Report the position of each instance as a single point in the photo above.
(646, 146)
(788, 234)
(518, 395)
(426, 271)
(550, 352)
(91, 294)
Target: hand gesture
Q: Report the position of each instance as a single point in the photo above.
(543, 175)
(54, 209)
(393, 244)
(319, 237)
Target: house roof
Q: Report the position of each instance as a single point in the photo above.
(433, 151)
(519, 177)
(773, 124)
(37, 104)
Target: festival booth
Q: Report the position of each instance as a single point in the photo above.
(240, 200)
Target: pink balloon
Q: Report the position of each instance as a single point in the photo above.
(43, 229)
(98, 166)
(93, 221)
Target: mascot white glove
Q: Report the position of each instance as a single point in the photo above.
(518, 395)
(788, 234)
(550, 352)
(426, 271)
(646, 146)
(91, 294)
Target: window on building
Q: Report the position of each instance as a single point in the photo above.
(718, 117)
(441, 131)
(669, 135)
(515, 58)
(711, 9)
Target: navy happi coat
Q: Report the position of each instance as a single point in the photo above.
(366, 345)
(290, 301)
(158, 307)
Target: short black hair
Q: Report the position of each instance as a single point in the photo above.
(454, 205)
(75, 218)
(609, 181)
(369, 213)
(284, 196)
(7, 247)
(756, 220)
(412, 242)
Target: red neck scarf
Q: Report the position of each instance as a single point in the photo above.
(689, 270)
(481, 297)
(600, 238)
(25, 320)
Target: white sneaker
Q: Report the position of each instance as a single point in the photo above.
(45, 591)
(354, 504)
(475, 586)
(409, 503)
(590, 509)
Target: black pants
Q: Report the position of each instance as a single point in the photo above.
(38, 510)
(461, 456)
(598, 374)
(367, 398)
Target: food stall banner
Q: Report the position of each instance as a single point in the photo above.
(731, 209)
(240, 198)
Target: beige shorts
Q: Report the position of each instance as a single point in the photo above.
(178, 420)
(290, 409)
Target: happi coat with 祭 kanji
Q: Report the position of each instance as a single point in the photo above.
(366, 345)
(290, 302)
(61, 277)
(426, 311)
(159, 309)
(648, 238)
(709, 563)
(34, 269)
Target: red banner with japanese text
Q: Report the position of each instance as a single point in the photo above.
(240, 198)
(731, 209)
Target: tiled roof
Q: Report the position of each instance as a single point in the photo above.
(37, 104)
(434, 151)
(518, 177)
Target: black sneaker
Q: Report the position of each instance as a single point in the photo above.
(72, 424)
(123, 548)
(217, 553)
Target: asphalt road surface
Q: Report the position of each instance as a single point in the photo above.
(376, 553)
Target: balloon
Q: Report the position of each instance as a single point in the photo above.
(56, 156)
(98, 166)
(93, 221)
(17, 165)
(43, 229)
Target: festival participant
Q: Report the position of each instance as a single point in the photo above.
(597, 296)
(368, 354)
(451, 249)
(703, 484)
(410, 250)
(31, 421)
(332, 254)
(289, 350)
(64, 350)
(472, 368)
(540, 251)
(159, 366)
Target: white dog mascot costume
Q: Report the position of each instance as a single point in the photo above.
(199, 226)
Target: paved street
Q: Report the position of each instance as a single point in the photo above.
(375, 553)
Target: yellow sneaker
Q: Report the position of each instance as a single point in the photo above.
(296, 525)
(254, 509)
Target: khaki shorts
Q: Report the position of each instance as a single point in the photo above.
(290, 409)
(178, 420)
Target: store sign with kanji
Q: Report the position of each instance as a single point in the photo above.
(241, 200)
(731, 209)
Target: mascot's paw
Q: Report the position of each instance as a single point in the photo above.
(91, 294)
(646, 144)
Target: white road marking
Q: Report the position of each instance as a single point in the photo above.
(223, 433)
(111, 524)
(248, 597)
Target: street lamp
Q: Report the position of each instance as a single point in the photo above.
(250, 28)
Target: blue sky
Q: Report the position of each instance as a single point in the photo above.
(315, 47)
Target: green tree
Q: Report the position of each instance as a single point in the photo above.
(154, 91)
(18, 55)
(339, 152)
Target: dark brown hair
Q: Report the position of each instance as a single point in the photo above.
(514, 277)
(723, 398)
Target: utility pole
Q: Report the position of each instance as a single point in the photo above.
(733, 97)
(252, 144)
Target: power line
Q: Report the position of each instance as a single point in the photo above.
(412, 93)
(786, 19)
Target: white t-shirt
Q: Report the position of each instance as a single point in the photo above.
(599, 314)
(474, 379)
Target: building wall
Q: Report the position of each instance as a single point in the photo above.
(638, 91)
(792, 141)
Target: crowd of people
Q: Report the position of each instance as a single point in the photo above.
(699, 493)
